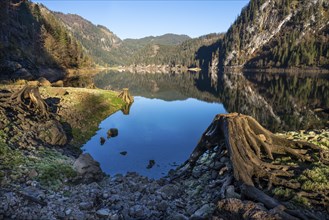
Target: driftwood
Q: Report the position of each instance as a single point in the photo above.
(125, 96)
(252, 151)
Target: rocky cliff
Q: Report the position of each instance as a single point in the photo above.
(279, 33)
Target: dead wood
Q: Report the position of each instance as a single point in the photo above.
(28, 98)
(125, 96)
(254, 154)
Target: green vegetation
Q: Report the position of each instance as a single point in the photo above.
(51, 167)
(191, 53)
(91, 109)
(316, 178)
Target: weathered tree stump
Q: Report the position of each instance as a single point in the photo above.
(125, 96)
(252, 151)
(28, 97)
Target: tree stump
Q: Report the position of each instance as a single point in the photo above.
(253, 152)
(28, 97)
(125, 96)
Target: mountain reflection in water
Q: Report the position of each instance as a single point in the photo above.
(279, 101)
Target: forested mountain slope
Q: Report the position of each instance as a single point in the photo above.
(279, 33)
(32, 39)
(97, 40)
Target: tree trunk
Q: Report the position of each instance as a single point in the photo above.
(253, 152)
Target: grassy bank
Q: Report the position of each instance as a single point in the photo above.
(80, 110)
(83, 109)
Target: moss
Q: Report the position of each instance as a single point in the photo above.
(10, 160)
(316, 178)
(300, 200)
(283, 193)
(53, 168)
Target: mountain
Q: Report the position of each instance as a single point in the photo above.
(279, 33)
(189, 53)
(130, 48)
(97, 40)
(33, 42)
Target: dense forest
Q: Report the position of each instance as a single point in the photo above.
(280, 33)
(32, 38)
(191, 53)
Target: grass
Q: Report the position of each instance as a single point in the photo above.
(94, 109)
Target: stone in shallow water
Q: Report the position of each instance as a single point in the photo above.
(113, 132)
(124, 153)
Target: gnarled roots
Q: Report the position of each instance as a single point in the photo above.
(255, 160)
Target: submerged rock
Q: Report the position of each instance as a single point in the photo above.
(124, 153)
(102, 140)
(151, 164)
(113, 132)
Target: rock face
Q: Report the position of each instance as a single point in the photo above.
(52, 133)
(270, 33)
(87, 168)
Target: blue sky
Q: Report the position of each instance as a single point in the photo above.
(137, 19)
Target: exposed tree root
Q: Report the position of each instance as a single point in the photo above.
(28, 97)
(255, 160)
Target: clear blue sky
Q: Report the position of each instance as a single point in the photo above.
(137, 19)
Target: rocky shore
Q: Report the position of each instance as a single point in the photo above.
(47, 181)
(132, 196)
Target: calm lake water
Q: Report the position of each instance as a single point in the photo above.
(171, 111)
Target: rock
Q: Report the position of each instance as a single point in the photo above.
(169, 191)
(88, 168)
(113, 132)
(151, 164)
(178, 216)
(162, 206)
(230, 193)
(136, 211)
(68, 211)
(33, 173)
(102, 140)
(214, 174)
(43, 82)
(86, 205)
(103, 212)
(23, 74)
(52, 132)
(58, 83)
(124, 153)
(204, 212)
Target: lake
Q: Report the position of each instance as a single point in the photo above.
(171, 111)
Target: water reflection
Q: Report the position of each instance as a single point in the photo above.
(171, 111)
(278, 101)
